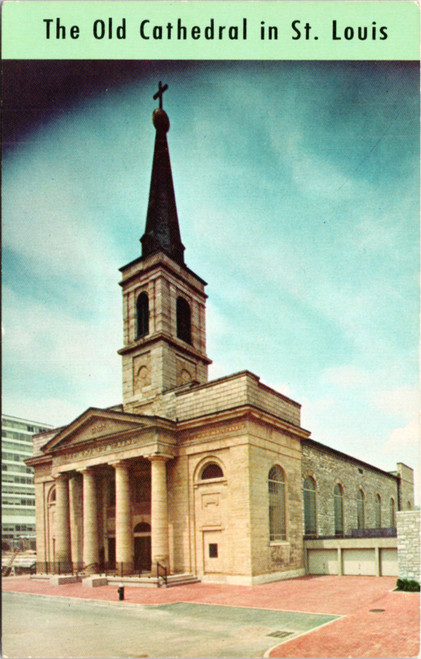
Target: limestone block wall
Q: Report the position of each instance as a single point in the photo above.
(409, 544)
(328, 467)
(406, 486)
(275, 560)
(232, 391)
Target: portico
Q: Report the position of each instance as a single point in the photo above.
(98, 500)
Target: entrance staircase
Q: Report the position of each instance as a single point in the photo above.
(146, 580)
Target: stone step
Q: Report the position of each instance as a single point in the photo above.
(181, 579)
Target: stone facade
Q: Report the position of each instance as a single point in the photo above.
(409, 534)
(328, 468)
(200, 477)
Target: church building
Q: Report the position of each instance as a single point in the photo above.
(216, 479)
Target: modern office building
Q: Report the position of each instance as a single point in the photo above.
(18, 495)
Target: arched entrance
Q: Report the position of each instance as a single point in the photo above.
(142, 547)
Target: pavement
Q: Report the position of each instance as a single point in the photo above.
(323, 616)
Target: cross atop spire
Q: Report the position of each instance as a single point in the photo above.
(159, 93)
(162, 232)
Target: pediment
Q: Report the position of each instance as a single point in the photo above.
(95, 425)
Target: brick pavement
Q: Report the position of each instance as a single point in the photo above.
(360, 633)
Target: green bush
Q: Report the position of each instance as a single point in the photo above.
(410, 585)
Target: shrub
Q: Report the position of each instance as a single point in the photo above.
(409, 585)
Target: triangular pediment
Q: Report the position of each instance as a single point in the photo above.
(96, 424)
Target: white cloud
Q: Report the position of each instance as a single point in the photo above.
(403, 401)
(348, 377)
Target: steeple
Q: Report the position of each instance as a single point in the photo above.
(164, 302)
(162, 232)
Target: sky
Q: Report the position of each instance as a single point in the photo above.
(297, 189)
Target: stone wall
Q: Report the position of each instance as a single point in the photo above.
(242, 388)
(409, 544)
(328, 467)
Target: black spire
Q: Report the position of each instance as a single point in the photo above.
(162, 233)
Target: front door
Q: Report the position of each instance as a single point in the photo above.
(142, 553)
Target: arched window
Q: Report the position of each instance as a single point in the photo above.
(392, 513)
(277, 521)
(378, 511)
(142, 315)
(52, 496)
(183, 320)
(309, 497)
(142, 527)
(212, 470)
(338, 509)
(360, 510)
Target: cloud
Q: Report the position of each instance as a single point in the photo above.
(402, 401)
(404, 438)
(347, 377)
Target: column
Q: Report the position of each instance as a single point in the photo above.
(159, 511)
(62, 526)
(90, 521)
(76, 520)
(123, 520)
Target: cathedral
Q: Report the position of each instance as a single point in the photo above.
(214, 479)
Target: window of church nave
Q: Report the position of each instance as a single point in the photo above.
(277, 521)
(378, 511)
(309, 497)
(360, 510)
(392, 513)
(183, 320)
(338, 509)
(212, 470)
(142, 313)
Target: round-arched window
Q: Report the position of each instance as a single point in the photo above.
(276, 491)
(212, 470)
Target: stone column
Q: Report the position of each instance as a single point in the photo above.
(76, 520)
(90, 521)
(159, 511)
(62, 526)
(123, 519)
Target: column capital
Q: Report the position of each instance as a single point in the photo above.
(159, 457)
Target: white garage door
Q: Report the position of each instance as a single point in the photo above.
(389, 562)
(322, 561)
(359, 561)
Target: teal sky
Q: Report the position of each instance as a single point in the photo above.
(297, 188)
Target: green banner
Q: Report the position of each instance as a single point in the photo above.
(266, 30)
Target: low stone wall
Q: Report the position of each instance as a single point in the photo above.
(409, 544)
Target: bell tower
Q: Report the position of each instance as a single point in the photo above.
(164, 302)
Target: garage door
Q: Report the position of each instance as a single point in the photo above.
(389, 562)
(359, 561)
(322, 561)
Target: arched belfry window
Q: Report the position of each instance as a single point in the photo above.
(338, 509)
(378, 511)
(142, 315)
(309, 497)
(360, 510)
(277, 519)
(183, 320)
(212, 470)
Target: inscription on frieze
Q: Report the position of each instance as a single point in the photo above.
(218, 431)
(91, 451)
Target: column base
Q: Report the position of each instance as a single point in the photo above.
(124, 568)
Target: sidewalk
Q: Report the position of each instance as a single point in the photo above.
(394, 631)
